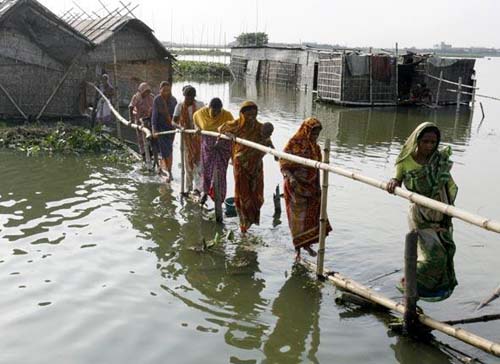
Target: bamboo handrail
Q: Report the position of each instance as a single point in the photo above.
(477, 95)
(477, 220)
(145, 130)
(458, 333)
(450, 82)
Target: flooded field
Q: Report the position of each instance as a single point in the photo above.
(97, 265)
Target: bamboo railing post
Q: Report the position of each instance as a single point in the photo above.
(439, 87)
(217, 200)
(323, 219)
(410, 283)
(183, 171)
(459, 94)
(147, 143)
(371, 79)
(473, 99)
(397, 73)
(117, 95)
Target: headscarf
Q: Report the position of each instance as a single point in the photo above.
(143, 87)
(302, 144)
(203, 120)
(411, 143)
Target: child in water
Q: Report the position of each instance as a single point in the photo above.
(265, 134)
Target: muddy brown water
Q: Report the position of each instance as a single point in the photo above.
(97, 265)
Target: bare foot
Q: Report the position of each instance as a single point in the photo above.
(311, 251)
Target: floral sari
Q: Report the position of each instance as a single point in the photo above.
(303, 194)
(436, 248)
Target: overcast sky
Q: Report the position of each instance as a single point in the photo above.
(347, 22)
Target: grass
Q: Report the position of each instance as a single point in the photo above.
(202, 70)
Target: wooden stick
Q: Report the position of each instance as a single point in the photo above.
(218, 200)
(13, 102)
(482, 222)
(323, 218)
(473, 100)
(410, 284)
(447, 81)
(472, 320)
(490, 299)
(360, 290)
(477, 95)
(117, 94)
(459, 94)
(439, 87)
(183, 169)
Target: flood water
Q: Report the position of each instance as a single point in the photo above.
(96, 264)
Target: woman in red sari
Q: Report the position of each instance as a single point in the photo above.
(247, 165)
(302, 187)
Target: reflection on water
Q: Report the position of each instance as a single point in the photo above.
(101, 263)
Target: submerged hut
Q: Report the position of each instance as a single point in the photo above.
(128, 46)
(352, 77)
(46, 60)
(38, 56)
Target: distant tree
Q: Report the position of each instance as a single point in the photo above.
(252, 39)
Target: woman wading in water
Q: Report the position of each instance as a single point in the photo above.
(425, 169)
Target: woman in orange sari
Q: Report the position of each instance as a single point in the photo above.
(302, 187)
(247, 165)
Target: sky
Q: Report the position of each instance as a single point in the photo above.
(376, 23)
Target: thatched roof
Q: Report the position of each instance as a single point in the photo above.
(99, 31)
(44, 28)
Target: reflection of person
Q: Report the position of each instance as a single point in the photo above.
(297, 309)
(407, 351)
(161, 120)
(140, 108)
(302, 187)
(426, 170)
(103, 110)
(183, 118)
(215, 153)
(247, 166)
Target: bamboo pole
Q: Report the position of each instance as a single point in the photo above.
(115, 81)
(146, 151)
(371, 80)
(482, 222)
(449, 82)
(13, 102)
(439, 87)
(217, 200)
(476, 95)
(323, 219)
(473, 320)
(458, 333)
(397, 73)
(459, 94)
(183, 169)
(473, 99)
(410, 284)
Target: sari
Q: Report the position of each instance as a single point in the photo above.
(248, 169)
(215, 153)
(303, 197)
(191, 141)
(435, 269)
(161, 120)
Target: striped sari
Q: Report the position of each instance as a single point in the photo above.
(302, 187)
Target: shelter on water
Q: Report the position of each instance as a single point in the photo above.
(37, 51)
(46, 60)
(352, 77)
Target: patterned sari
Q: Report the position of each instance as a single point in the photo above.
(303, 194)
(215, 153)
(436, 248)
(192, 142)
(248, 169)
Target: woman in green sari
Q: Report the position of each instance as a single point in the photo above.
(425, 169)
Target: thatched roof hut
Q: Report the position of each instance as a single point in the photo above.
(36, 51)
(45, 60)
